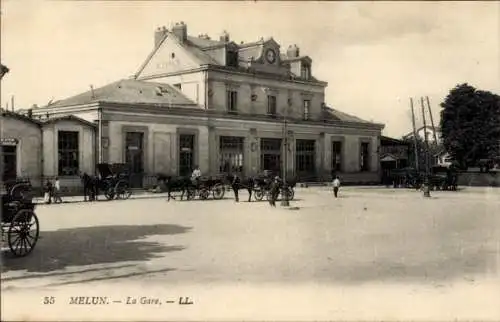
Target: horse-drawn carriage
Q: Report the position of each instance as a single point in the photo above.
(19, 222)
(443, 178)
(440, 178)
(405, 178)
(263, 186)
(113, 180)
(202, 187)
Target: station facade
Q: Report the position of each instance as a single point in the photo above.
(216, 104)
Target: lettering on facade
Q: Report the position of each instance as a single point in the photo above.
(165, 65)
(9, 141)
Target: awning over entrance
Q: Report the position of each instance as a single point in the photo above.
(388, 158)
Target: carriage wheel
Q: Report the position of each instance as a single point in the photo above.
(258, 195)
(110, 194)
(204, 193)
(23, 233)
(218, 191)
(190, 194)
(122, 190)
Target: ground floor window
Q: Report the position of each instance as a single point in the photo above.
(68, 153)
(186, 154)
(270, 155)
(9, 155)
(305, 157)
(231, 153)
(337, 156)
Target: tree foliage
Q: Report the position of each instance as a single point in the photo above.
(470, 124)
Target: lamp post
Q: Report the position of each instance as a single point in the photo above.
(284, 189)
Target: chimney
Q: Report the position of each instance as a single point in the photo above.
(159, 35)
(180, 31)
(224, 37)
(293, 51)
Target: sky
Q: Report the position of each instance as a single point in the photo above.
(374, 55)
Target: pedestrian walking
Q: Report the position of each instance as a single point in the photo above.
(48, 192)
(57, 191)
(336, 186)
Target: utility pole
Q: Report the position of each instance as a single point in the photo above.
(427, 192)
(12, 102)
(415, 141)
(432, 120)
(284, 192)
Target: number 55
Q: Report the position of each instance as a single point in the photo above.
(49, 300)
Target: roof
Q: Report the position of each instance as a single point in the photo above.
(198, 47)
(334, 114)
(392, 140)
(129, 91)
(204, 42)
(420, 129)
(69, 118)
(19, 116)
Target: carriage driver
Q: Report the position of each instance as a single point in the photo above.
(195, 176)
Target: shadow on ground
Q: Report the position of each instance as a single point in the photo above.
(58, 249)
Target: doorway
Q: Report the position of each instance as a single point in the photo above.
(134, 157)
(231, 155)
(305, 159)
(186, 154)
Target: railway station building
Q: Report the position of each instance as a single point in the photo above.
(213, 103)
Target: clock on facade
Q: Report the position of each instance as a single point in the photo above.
(270, 56)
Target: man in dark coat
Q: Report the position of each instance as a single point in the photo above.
(274, 191)
(235, 185)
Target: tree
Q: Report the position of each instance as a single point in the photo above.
(470, 124)
(3, 70)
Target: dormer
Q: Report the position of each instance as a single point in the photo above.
(271, 52)
(300, 66)
(231, 51)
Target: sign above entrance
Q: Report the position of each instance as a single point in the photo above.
(133, 148)
(185, 149)
(8, 141)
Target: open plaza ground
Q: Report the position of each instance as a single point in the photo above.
(373, 253)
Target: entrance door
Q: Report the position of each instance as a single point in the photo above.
(186, 154)
(134, 157)
(9, 162)
(270, 155)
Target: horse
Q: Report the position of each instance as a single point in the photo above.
(175, 184)
(238, 183)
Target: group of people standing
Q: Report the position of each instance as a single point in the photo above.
(52, 191)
